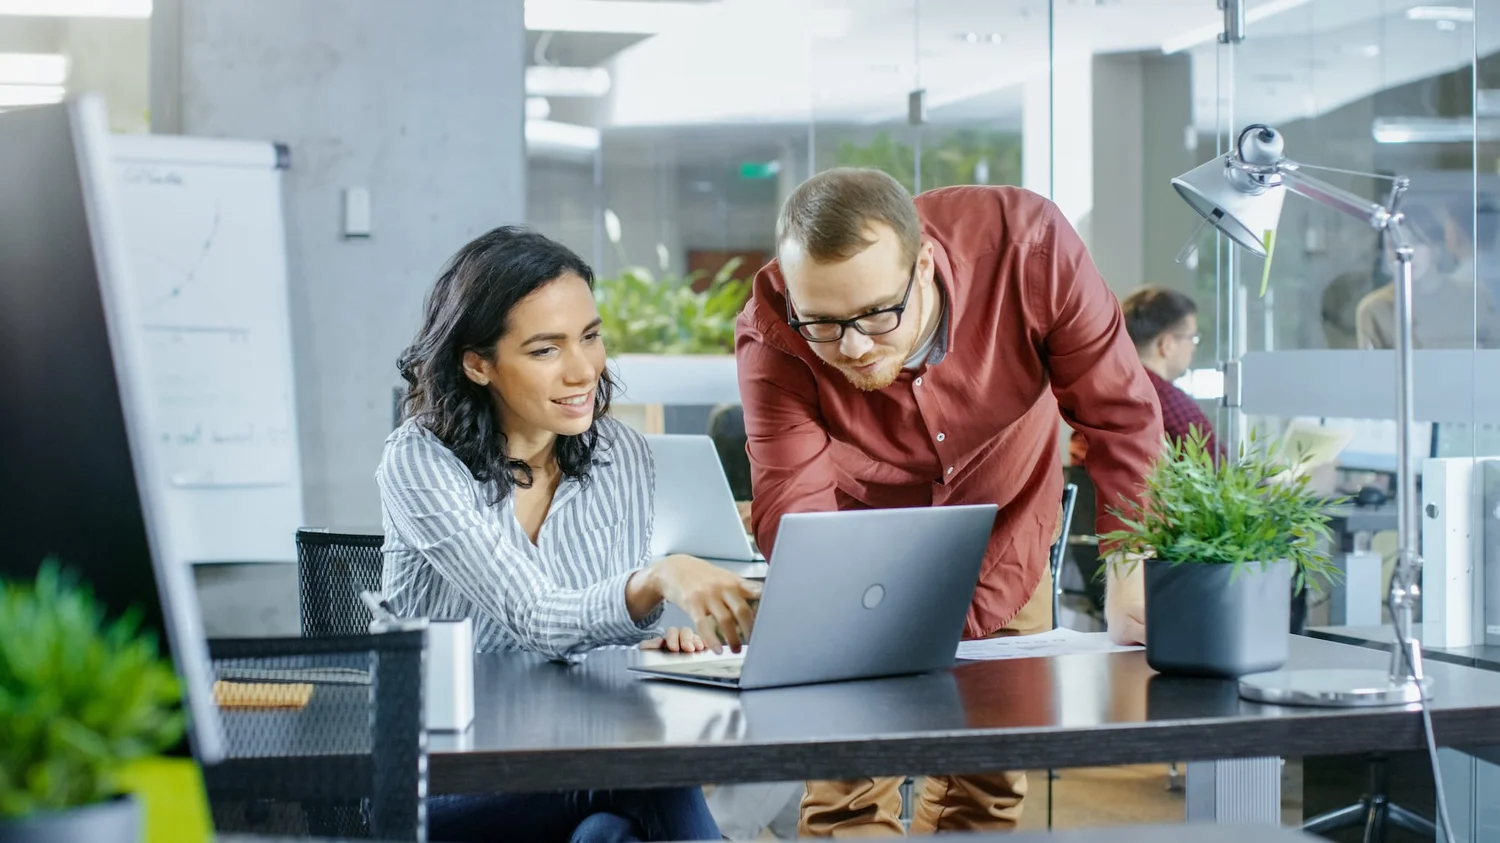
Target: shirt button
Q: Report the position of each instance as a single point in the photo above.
(919, 381)
(950, 469)
(941, 437)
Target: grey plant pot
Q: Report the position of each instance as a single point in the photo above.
(115, 820)
(1201, 621)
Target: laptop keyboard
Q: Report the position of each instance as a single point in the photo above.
(718, 669)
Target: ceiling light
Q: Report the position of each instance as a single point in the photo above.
(77, 8)
(552, 136)
(30, 94)
(553, 81)
(980, 38)
(1434, 129)
(537, 108)
(1210, 32)
(1368, 51)
(33, 68)
(1452, 14)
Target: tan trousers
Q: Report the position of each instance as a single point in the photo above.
(872, 807)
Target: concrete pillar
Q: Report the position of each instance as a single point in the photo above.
(423, 108)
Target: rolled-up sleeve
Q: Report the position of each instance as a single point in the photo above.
(429, 498)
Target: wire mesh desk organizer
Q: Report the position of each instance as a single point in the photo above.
(332, 569)
(324, 736)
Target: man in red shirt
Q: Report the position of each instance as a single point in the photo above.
(1163, 324)
(904, 352)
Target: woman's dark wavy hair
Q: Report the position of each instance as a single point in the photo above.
(469, 310)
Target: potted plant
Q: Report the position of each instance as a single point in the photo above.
(1224, 541)
(80, 698)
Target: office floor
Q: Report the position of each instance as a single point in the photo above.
(1138, 794)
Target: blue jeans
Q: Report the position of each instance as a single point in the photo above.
(581, 816)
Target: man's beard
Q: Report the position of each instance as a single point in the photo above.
(882, 376)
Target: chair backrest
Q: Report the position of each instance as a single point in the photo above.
(332, 569)
(1059, 548)
(1083, 544)
(726, 427)
(324, 736)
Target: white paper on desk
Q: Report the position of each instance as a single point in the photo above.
(1056, 642)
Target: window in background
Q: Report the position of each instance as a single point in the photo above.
(46, 52)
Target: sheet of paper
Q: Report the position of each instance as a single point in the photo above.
(1057, 642)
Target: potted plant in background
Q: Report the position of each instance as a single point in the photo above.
(1224, 542)
(80, 698)
(670, 343)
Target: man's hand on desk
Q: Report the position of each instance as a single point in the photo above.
(718, 602)
(677, 639)
(1125, 599)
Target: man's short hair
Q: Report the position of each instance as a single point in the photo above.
(828, 214)
(1153, 311)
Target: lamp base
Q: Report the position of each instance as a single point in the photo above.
(1331, 688)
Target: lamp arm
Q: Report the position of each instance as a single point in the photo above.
(1295, 179)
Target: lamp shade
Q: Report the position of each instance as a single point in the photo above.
(1243, 216)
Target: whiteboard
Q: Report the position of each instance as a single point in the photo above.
(201, 225)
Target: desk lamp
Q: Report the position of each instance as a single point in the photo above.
(1240, 194)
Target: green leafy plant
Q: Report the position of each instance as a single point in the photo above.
(646, 315)
(79, 697)
(965, 156)
(1252, 509)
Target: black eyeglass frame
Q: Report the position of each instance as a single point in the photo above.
(845, 324)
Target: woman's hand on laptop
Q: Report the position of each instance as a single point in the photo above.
(718, 602)
(677, 639)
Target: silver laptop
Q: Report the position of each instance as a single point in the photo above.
(854, 595)
(695, 510)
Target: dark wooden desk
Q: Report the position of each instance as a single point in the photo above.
(546, 725)
(1482, 656)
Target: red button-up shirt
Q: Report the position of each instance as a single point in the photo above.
(1031, 328)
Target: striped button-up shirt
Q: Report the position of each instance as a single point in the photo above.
(451, 553)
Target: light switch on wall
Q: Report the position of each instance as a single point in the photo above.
(356, 212)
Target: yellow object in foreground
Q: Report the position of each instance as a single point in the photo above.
(174, 804)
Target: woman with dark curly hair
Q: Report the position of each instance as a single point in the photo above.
(509, 496)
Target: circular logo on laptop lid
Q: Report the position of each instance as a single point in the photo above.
(873, 595)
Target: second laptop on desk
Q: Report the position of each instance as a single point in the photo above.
(855, 595)
(695, 509)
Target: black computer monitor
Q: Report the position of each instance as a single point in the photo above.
(77, 483)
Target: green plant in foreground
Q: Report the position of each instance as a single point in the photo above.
(1253, 509)
(644, 315)
(79, 697)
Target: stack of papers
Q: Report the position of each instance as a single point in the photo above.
(1057, 642)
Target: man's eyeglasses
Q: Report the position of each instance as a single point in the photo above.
(1195, 338)
(871, 324)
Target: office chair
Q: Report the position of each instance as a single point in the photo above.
(332, 569)
(1083, 546)
(1059, 549)
(347, 761)
(1373, 810)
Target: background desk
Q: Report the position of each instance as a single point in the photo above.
(1482, 656)
(1359, 595)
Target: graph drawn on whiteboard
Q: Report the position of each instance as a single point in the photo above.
(214, 329)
